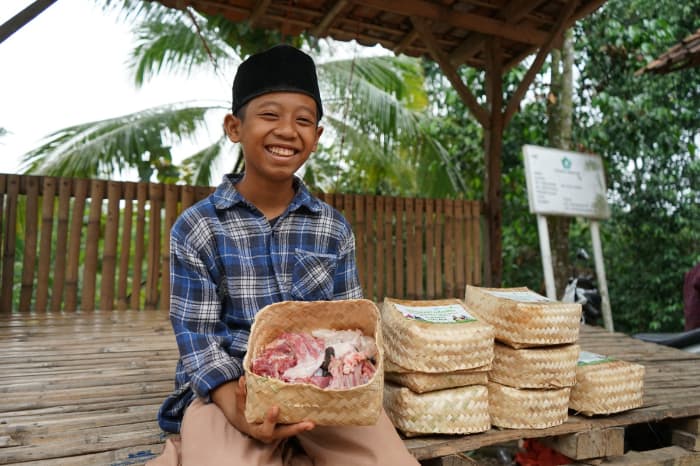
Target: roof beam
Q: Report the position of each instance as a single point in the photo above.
(406, 41)
(21, 19)
(321, 28)
(423, 28)
(258, 11)
(432, 11)
(511, 14)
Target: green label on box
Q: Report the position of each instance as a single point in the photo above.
(439, 314)
(586, 358)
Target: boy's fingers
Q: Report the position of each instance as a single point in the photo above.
(271, 416)
(265, 431)
(290, 430)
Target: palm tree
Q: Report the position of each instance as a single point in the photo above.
(376, 111)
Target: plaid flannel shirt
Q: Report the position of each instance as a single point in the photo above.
(227, 262)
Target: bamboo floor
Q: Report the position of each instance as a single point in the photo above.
(84, 388)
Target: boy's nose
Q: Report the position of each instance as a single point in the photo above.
(285, 128)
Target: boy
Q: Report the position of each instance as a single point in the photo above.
(259, 238)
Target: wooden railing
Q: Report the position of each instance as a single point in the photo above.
(84, 244)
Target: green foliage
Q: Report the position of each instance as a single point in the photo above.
(646, 129)
(102, 148)
(383, 143)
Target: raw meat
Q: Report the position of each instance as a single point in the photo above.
(335, 359)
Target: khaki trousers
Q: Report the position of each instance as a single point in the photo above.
(207, 439)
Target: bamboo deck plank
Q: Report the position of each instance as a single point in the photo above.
(84, 388)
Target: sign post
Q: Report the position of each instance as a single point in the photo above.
(568, 184)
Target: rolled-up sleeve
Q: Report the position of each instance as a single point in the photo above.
(195, 313)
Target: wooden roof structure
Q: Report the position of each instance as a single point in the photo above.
(491, 35)
(685, 54)
(459, 29)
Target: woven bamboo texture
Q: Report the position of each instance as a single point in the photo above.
(608, 387)
(435, 347)
(462, 410)
(524, 318)
(356, 406)
(421, 382)
(519, 408)
(545, 367)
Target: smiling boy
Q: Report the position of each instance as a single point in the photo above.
(260, 238)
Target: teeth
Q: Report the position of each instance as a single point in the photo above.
(281, 150)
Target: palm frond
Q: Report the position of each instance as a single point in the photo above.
(175, 46)
(378, 93)
(201, 163)
(114, 145)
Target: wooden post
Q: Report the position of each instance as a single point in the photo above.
(493, 140)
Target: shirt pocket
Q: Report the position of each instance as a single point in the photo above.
(312, 275)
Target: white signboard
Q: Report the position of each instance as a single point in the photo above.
(565, 183)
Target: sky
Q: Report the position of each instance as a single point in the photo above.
(68, 66)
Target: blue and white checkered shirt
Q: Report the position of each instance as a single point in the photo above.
(227, 262)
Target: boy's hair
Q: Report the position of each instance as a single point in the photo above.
(282, 68)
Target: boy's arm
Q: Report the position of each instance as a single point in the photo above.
(195, 308)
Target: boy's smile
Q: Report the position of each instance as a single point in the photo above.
(278, 132)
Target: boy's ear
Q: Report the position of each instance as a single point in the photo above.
(232, 127)
(319, 132)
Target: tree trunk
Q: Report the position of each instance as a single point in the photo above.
(559, 112)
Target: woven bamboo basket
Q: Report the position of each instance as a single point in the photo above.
(435, 336)
(522, 318)
(421, 382)
(606, 386)
(519, 408)
(356, 406)
(462, 410)
(545, 367)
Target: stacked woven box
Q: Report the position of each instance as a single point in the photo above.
(437, 356)
(535, 355)
(605, 385)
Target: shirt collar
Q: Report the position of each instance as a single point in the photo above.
(226, 195)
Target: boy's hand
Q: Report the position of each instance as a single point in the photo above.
(231, 397)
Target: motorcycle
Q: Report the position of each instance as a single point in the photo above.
(581, 288)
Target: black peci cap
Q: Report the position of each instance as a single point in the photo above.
(282, 68)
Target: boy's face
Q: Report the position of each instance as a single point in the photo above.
(278, 133)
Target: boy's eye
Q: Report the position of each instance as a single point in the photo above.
(268, 115)
(305, 121)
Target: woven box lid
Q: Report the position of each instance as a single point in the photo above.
(461, 410)
(544, 367)
(605, 385)
(522, 318)
(525, 408)
(421, 382)
(435, 335)
(359, 405)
